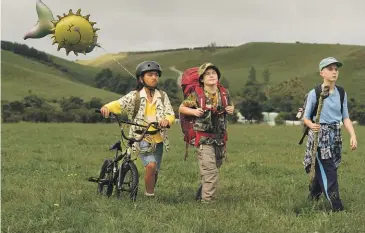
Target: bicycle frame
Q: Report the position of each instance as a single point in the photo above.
(117, 170)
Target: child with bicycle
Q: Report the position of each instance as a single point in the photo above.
(147, 103)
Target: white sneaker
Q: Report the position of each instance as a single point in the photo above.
(149, 194)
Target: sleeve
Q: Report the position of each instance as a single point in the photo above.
(169, 111)
(122, 105)
(345, 113)
(191, 101)
(114, 107)
(311, 102)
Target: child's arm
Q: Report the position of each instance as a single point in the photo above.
(230, 107)
(169, 112)
(190, 107)
(198, 112)
(117, 106)
(311, 102)
(348, 124)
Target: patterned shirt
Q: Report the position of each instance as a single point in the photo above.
(330, 143)
(210, 122)
(155, 111)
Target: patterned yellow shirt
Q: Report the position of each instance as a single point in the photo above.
(149, 116)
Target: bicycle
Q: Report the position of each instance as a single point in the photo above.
(113, 175)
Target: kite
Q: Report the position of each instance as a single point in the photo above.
(72, 31)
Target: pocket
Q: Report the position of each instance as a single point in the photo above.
(146, 147)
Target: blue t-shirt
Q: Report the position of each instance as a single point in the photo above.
(331, 110)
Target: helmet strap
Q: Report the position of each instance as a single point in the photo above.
(151, 89)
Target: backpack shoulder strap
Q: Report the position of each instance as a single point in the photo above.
(201, 97)
(162, 93)
(318, 90)
(224, 97)
(342, 96)
(137, 102)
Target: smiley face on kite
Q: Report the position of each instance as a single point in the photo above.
(73, 32)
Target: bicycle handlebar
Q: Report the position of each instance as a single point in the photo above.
(132, 140)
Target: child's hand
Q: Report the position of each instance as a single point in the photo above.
(353, 143)
(230, 109)
(315, 127)
(198, 112)
(164, 123)
(105, 112)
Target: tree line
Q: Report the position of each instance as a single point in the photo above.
(256, 96)
(32, 53)
(35, 109)
(24, 50)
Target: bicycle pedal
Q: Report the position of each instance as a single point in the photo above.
(94, 179)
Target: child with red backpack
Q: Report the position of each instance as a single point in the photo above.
(203, 117)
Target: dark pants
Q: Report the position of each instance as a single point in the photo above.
(325, 181)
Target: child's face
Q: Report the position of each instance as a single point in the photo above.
(330, 73)
(210, 77)
(151, 78)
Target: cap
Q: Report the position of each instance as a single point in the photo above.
(207, 65)
(328, 61)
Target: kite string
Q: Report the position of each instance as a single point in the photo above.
(116, 61)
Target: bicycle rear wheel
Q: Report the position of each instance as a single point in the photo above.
(129, 180)
(105, 186)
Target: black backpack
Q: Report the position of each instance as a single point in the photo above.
(318, 90)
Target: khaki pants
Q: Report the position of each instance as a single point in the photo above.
(208, 166)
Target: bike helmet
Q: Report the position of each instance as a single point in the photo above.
(148, 66)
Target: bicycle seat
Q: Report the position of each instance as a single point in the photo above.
(116, 146)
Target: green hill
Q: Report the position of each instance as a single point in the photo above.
(284, 60)
(20, 74)
(78, 72)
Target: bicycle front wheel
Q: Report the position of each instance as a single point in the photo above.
(129, 180)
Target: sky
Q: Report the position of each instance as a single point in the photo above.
(138, 25)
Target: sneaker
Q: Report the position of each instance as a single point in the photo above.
(149, 194)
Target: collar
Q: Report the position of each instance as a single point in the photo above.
(143, 94)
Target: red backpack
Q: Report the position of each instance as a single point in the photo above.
(189, 84)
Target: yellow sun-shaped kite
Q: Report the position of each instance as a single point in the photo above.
(74, 32)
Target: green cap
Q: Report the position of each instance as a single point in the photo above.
(328, 61)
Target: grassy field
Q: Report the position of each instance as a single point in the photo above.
(284, 60)
(263, 187)
(20, 74)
